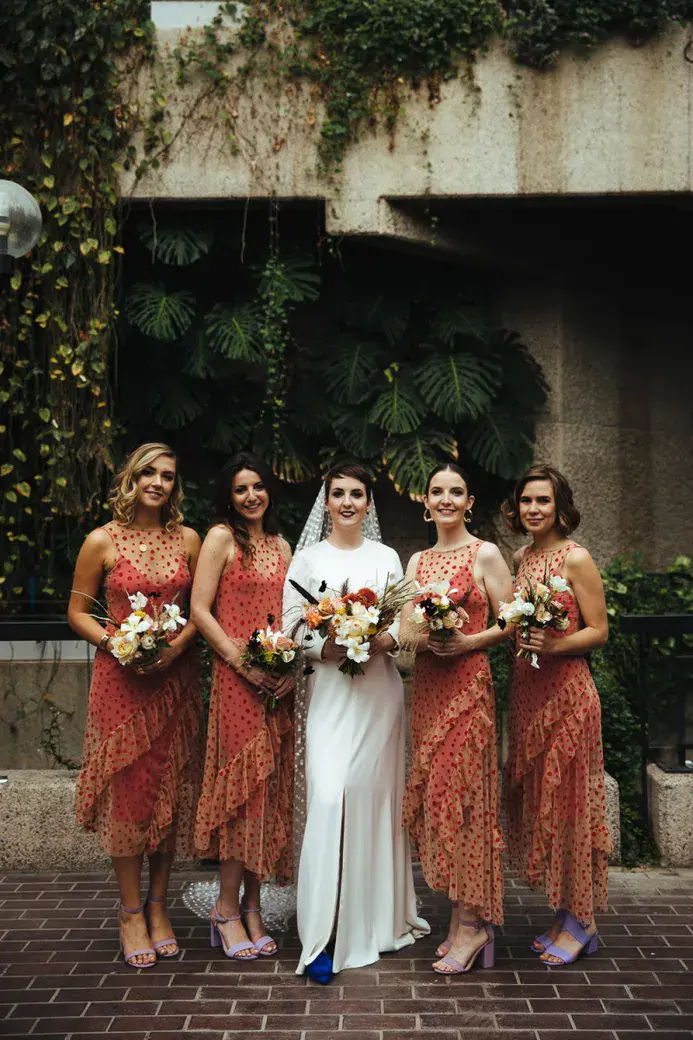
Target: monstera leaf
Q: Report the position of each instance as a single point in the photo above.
(410, 459)
(398, 408)
(355, 432)
(178, 246)
(200, 357)
(287, 455)
(500, 443)
(349, 370)
(523, 378)
(220, 435)
(292, 279)
(158, 313)
(181, 402)
(458, 386)
(235, 332)
(457, 321)
(386, 312)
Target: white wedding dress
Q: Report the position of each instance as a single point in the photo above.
(355, 733)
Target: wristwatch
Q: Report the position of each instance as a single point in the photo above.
(104, 641)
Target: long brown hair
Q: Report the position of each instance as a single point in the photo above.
(567, 513)
(226, 513)
(122, 497)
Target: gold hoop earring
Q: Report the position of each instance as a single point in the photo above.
(428, 519)
(468, 516)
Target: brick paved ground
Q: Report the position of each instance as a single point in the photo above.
(61, 978)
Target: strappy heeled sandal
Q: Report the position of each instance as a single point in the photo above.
(264, 940)
(446, 944)
(217, 939)
(134, 953)
(487, 952)
(589, 943)
(171, 941)
(546, 940)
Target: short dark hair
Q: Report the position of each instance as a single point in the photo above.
(353, 470)
(225, 511)
(567, 513)
(442, 468)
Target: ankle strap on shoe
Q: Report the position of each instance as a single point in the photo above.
(476, 925)
(218, 919)
(130, 909)
(156, 899)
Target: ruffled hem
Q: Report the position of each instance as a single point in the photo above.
(548, 747)
(183, 757)
(133, 739)
(438, 820)
(267, 761)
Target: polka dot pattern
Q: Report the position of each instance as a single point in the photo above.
(554, 779)
(451, 802)
(141, 758)
(245, 812)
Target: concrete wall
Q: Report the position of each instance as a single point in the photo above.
(618, 122)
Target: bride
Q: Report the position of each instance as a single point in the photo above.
(355, 877)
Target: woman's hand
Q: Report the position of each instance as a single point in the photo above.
(163, 660)
(332, 652)
(539, 641)
(381, 643)
(452, 645)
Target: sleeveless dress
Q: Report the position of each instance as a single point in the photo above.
(141, 758)
(554, 777)
(245, 812)
(451, 802)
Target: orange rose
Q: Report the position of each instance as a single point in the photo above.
(314, 618)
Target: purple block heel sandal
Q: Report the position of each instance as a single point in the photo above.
(217, 939)
(590, 943)
(134, 953)
(487, 952)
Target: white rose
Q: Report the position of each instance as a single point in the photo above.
(419, 616)
(123, 648)
(558, 584)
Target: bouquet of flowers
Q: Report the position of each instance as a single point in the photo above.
(143, 633)
(436, 608)
(535, 606)
(353, 618)
(270, 651)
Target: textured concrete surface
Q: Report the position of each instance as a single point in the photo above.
(671, 814)
(613, 815)
(38, 830)
(619, 122)
(32, 694)
(61, 976)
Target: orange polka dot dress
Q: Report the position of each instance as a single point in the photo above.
(451, 802)
(554, 777)
(245, 812)
(141, 759)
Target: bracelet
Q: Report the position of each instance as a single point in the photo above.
(104, 641)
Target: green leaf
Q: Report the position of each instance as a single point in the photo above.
(44, 414)
(293, 279)
(180, 403)
(349, 370)
(158, 313)
(410, 459)
(460, 321)
(498, 443)
(229, 436)
(176, 245)
(6, 468)
(384, 312)
(287, 454)
(235, 333)
(19, 454)
(355, 432)
(200, 359)
(458, 386)
(24, 489)
(398, 408)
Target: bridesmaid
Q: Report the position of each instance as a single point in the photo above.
(140, 759)
(554, 781)
(244, 814)
(451, 803)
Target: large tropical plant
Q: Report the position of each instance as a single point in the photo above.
(395, 366)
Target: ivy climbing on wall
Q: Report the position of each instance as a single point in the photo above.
(64, 125)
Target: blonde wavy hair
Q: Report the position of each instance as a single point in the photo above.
(123, 494)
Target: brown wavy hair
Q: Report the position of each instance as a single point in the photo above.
(122, 497)
(567, 513)
(225, 512)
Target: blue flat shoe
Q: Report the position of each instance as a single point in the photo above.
(320, 970)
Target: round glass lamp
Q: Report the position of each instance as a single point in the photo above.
(20, 223)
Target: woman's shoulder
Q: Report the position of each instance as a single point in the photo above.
(381, 549)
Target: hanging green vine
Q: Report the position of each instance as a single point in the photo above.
(63, 126)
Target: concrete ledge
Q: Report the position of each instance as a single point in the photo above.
(671, 815)
(613, 816)
(38, 829)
